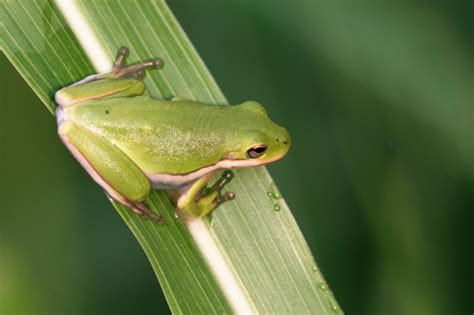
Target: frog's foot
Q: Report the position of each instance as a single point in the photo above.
(139, 208)
(142, 211)
(198, 200)
(137, 70)
(120, 71)
(209, 199)
(215, 190)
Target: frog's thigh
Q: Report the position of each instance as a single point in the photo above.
(108, 165)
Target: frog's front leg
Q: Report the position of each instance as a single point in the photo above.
(109, 167)
(197, 200)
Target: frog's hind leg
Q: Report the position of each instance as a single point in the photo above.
(110, 168)
(122, 81)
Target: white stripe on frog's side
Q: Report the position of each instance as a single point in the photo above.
(169, 181)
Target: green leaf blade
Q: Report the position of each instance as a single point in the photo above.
(263, 248)
(176, 261)
(36, 45)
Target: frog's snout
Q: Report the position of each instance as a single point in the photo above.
(284, 138)
(283, 141)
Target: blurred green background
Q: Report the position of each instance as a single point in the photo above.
(378, 99)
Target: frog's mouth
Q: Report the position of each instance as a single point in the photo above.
(232, 163)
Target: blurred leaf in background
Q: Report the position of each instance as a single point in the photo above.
(380, 108)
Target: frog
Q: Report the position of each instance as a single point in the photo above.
(131, 143)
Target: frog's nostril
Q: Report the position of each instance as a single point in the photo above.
(285, 141)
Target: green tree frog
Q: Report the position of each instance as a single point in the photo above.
(130, 143)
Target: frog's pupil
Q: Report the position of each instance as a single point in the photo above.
(256, 151)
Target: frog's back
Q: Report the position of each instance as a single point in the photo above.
(143, 110)
(159, 135)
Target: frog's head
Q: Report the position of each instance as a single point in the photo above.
(260, 140)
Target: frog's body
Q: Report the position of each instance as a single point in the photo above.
(129, 144)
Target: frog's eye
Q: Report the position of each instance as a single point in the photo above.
(256, 151)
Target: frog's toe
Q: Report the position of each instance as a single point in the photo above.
(119, 69)
(223, 198)
(225, 178)
(143, 211)
(120, 59)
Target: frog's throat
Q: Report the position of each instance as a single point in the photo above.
(170, 181)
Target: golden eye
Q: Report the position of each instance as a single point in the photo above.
(256, 151)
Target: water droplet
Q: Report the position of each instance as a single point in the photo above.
(327, 294)
(315, 268)
(273, 192)
(176, 215)
(322, 286)
(276, 207)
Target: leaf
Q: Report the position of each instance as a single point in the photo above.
(265, 265)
